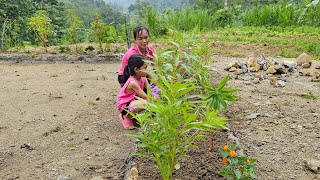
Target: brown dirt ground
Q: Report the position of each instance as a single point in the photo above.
(284, 135)
(59, 121)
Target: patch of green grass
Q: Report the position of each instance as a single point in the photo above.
(309, 95)
(71, 145)
(294, 40)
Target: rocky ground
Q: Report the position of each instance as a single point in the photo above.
(279, 124)
(58, 120)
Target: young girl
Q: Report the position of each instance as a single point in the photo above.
(133, 87)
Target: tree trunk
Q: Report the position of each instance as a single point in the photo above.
(3, 31)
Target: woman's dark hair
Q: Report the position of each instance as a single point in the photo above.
(135, 61)
(138, 30)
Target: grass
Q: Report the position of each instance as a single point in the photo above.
(288, 43)
(309, 95)
(271, 41)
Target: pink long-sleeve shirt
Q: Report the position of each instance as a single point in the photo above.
(135, 50)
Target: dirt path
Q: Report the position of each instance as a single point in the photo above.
(60, 121)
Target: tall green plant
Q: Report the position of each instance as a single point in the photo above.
(40, 24)
(99, 31)
(74, 24)
(171, 125)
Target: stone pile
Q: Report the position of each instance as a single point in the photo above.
(273, 70)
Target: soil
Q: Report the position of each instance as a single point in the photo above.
(59, 121)
(284, 135)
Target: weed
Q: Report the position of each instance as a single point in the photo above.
(309, 95)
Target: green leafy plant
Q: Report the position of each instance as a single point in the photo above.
(309, 95)
(171, 125)
(40, 24)
(99, 31)
(236, 167)
(74, 23)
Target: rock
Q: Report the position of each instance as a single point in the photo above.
(244, 68)
(271, 70)
(273, 80)
(317, 67)
(133, 174)
(306, 65)
(63, 178)
(262, 60)
(253, 116)
(313, 73)
(273, 62)
(26, 146)
(256, 80)
(315, 80)
(256, 67)
(303, 58)
(290, 69)
(232, 65)
(247, 82)
(232, 69)
(265, 66)
(280, 69)
(289, 64)
(97, 178)
(312, 164)
(238, 71)
(228, 67)
(236, 65)
(280, 83)
(251, 61)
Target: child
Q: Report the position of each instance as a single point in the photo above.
(134, 85)
(141, 46)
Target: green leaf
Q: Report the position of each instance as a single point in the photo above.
(237, 173)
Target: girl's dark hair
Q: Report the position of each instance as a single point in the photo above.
(138, 30)
(135, 61)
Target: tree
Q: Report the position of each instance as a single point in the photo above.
(99, 31)
(40, 24)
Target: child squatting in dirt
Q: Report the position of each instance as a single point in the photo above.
(135, 82)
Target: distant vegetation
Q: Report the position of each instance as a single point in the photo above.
(72, 21)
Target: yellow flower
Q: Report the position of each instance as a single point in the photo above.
(226, 148)
(233, 154)
(248, 161)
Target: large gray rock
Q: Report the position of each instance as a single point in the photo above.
(288, 64)
(303, 58)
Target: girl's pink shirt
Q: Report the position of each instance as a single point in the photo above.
(123, 97)
(134, 50)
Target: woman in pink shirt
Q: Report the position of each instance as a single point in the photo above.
(133, 87)
(141, 46)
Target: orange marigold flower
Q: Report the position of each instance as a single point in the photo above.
(233, 154)
(248, 161)
(224, 160)
(226, 148)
